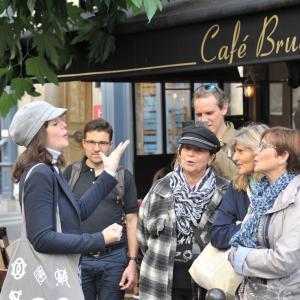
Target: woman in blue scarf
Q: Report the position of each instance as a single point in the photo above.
(234, 205)
(267, 248)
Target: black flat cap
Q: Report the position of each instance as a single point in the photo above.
(200, 136)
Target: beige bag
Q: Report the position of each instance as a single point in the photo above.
(211, 269)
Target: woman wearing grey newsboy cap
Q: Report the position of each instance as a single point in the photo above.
(39, 127)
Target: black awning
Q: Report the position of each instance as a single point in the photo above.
(192, 50)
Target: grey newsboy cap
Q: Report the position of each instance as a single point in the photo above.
(200, 136)
(30, 118)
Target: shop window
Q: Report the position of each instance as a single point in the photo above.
(178, 110)
(159, 116)
(148, 118)
(276, 91)
(296, 108)
(234, 92)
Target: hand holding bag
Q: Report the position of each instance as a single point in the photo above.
(34, 275)
(211, 269)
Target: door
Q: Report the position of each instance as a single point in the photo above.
(77, 97)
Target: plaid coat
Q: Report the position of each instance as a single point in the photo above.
(156, 234)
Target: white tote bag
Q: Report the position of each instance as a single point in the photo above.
(211, 269)
(38, 276)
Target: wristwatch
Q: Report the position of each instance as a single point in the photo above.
(132, 258)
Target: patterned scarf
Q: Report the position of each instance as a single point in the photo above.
(190, 203)
(263, 198)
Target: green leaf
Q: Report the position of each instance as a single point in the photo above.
(2, 6)
(7, 101)
(86, 31)
(107, 2)
(5, 79)
(21, 85)
(3, 71)
(103, 45)
(47, 44)
(74, 12)
(7, 37)
(136, 10)
(137, 3)
(31, 4)
(151, 7)
(38, 67)
(34, 93)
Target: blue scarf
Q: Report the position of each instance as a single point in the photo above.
(263, 198)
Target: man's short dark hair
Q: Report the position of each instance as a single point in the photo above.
(98, 125)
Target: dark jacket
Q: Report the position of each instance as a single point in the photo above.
(43, 190)
(233, 208)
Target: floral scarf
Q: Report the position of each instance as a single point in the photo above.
(263, 198)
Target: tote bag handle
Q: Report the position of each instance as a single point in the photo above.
(24, 230)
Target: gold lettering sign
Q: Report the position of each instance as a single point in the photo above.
(236, 48)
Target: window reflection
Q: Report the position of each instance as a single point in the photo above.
(276, 92)
(296, 108)
(148, 118)
(178, 97)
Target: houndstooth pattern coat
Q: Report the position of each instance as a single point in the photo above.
(156, 234)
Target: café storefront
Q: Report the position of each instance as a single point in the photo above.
(202, 43)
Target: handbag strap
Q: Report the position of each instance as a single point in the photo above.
(23, 229)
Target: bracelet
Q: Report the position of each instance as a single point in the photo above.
(132, 258)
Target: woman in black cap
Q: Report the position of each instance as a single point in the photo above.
(175, 218)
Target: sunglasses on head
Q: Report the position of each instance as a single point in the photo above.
(193, 122)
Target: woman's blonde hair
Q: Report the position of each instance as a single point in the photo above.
(248, 136)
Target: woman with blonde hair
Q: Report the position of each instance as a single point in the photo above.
(235, 203)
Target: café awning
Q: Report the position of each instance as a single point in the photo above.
(192, 40)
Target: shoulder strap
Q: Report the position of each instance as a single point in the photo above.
(76, 169)
(121, 184)
(23, 230)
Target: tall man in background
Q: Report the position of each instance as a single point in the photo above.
(108, 274)
(211, 107)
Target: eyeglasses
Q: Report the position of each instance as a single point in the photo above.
(100, 143)
(262, 146)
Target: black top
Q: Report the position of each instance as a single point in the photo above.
(110, 210)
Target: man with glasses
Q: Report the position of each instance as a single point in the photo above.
(211, 107)
(106, 275)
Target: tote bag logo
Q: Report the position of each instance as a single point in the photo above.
(15, 295)
(40, 275)
(61, 277)
(18, 268)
